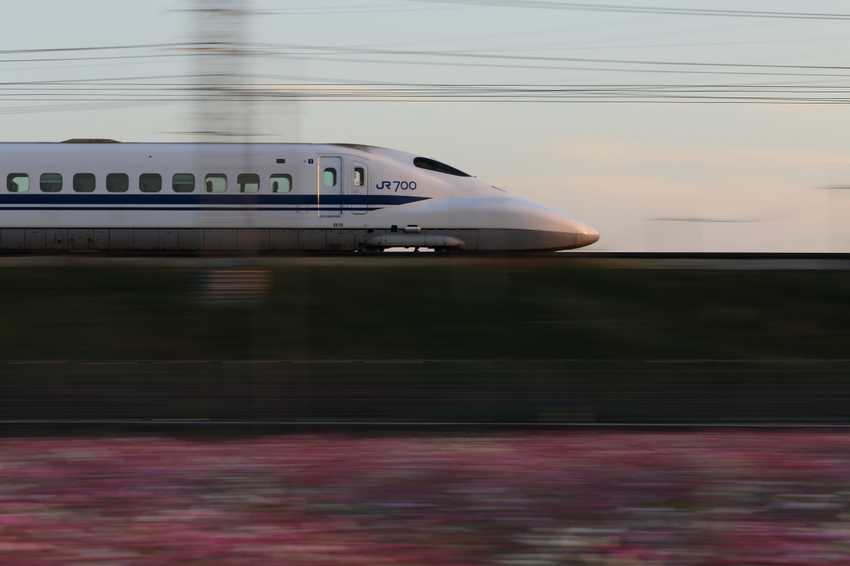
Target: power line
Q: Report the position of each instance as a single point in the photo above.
(287, 50)
(171, 89)
(303, 52)
(583, 7)
(668, 67)
(795, 94)
(88, 59)
(261, 49)
(95, 48)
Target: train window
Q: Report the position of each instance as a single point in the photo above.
(117, 183)
(248, 183)
(51, 183)
(330, 177)
(281, 183)
(84, 183)
(18, 183)
(183, 183)
(359, 176)
(434, 165)
(150, 182)
(215, 183)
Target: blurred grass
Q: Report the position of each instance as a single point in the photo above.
(431, 309)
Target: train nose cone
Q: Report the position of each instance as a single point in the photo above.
(585, 235)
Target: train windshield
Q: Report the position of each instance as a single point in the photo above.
(433, 165)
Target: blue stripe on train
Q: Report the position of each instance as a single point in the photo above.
(203, 199)
(246, 208)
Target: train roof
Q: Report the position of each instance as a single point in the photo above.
(84, 146)
(78, 142)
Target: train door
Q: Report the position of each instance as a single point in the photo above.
(330, 186)
(359, 188)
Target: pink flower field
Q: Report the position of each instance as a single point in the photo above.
(514, 499)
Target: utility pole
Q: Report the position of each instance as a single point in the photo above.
(224, 105)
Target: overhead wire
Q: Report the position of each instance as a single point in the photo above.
(656, 10)
(288, 50)
(169, 89)
(344, 54)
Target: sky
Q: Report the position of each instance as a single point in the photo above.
(666, 125)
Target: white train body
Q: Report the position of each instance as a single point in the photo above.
(223, 197)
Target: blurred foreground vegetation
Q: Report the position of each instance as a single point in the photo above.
(547, 499)
(433, 308)
(433, 339)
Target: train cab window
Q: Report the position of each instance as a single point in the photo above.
(183, 183)
(51, 183)
(359, 176)
(150, 182)
(215, 183)
(329, 177)
(248, 183)
(84, 183)
(281, 183)
(117, 183)
(18, 183)
(434, 165)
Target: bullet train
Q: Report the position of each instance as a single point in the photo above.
(111, 196)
